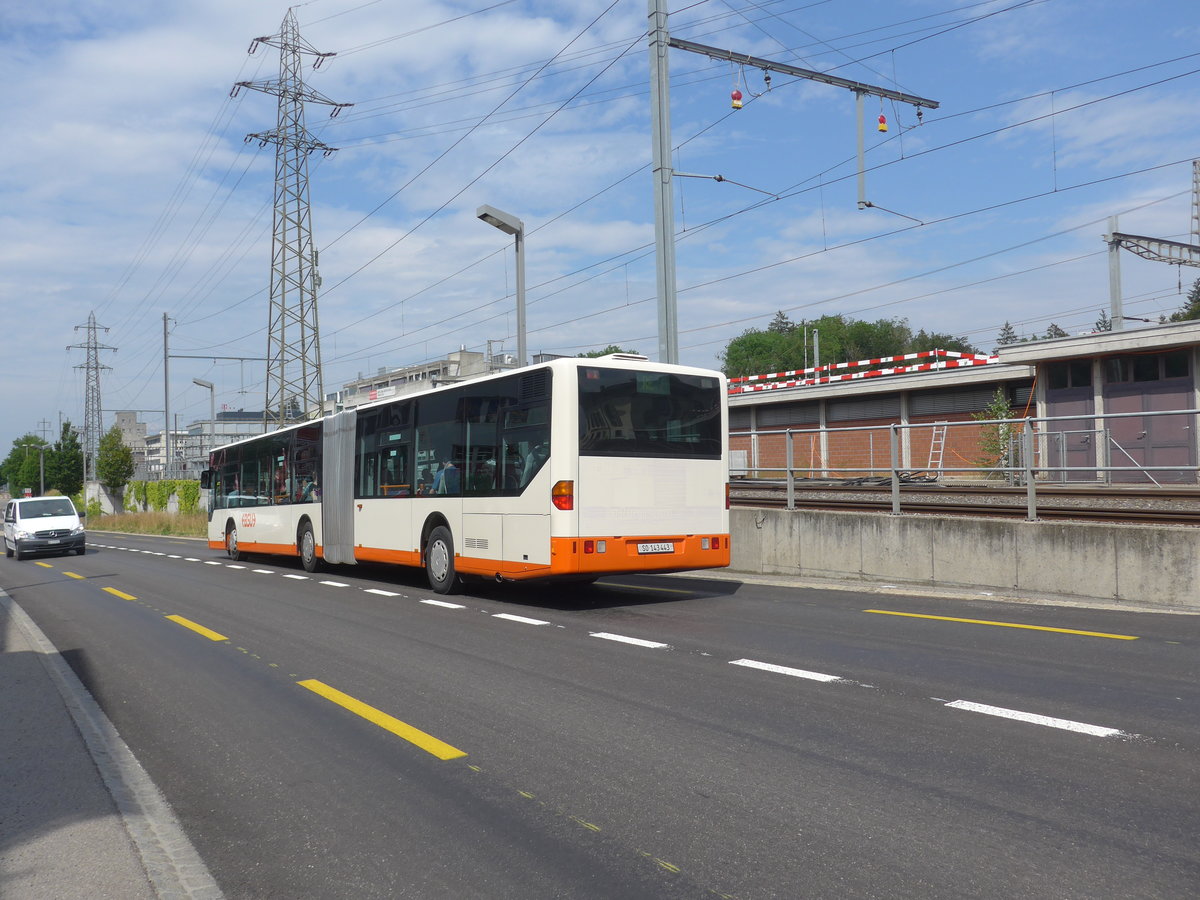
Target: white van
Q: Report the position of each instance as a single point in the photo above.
(42, 525)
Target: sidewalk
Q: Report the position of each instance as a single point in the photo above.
(79, 817)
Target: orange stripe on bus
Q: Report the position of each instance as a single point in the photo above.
(567, 556)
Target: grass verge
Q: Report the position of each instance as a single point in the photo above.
(179, 524)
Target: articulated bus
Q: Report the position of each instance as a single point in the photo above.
(568, 470)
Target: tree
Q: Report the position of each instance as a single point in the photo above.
(611, 348)
(21, 468)
(64, 464)
(936, 340)
(114, 463)
(1008, 335)
(1191, 309)
(786, 346)
(759, 352)
(1104, 323)
(781, 324)
(1054, 331)
(995, 439)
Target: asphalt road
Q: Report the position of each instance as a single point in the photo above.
(351, 734)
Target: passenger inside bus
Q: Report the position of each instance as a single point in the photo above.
(448, 480)
(533, 461)
(311, 492)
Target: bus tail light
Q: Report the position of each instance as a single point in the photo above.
(562, 495)
(595, 546)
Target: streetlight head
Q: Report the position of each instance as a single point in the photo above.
(202, 383)
(506, 222)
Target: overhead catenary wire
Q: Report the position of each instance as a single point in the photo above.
(351, 325)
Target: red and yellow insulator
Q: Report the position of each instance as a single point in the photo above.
(882, 122)
(736, 99)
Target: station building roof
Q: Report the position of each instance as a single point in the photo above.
(1015, 362)
(1167, 336)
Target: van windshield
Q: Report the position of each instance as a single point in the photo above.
(44, 509)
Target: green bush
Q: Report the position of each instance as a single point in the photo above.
(158, 493)
(189, 495)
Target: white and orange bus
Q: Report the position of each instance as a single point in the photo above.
(567, 470)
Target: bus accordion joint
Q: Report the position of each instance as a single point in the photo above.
(562, 495)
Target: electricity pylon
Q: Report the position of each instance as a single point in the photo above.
(1154, 249)
(295, 388)
(92, 421)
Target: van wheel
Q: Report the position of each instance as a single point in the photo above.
(7, 550)
(439, 561)
(231, 543)
(307, 545)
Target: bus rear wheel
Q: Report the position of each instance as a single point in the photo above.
(308, 548)
(231, 543)
(439, 561)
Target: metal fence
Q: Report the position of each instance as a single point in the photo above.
(1135, 447)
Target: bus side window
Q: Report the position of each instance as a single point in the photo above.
(394, 477)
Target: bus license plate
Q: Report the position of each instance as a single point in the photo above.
(667, 547)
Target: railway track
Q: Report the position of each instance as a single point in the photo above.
(1122, 503)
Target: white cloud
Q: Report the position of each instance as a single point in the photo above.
(127, 190)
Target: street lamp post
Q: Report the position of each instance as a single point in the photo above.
(212, 410)
(510, 224)
(41, 466)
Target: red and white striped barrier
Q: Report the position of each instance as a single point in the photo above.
(833, 367)
(949, 359)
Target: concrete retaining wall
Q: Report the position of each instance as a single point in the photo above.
(1140, 565)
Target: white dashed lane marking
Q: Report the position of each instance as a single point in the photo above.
(967, 705)
(524, 620)
(1035, 719)
(637, 642)
(785, 670)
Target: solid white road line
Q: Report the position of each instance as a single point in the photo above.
(1034, 719)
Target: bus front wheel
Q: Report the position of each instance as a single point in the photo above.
(439, 561)
(308, 548)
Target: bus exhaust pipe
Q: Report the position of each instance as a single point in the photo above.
(499, 578)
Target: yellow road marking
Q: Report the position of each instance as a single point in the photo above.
(44, 565)
(426, 742)
(1100, 634)
(74, 575)
(121, 594)
(199, 629)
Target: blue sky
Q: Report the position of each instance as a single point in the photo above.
(127, 189)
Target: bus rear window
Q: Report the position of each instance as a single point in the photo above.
(631, 413)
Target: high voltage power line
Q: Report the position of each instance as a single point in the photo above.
(635, 250)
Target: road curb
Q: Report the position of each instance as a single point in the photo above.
(173, 866)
